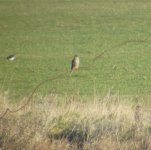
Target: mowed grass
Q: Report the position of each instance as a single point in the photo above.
(46, 34)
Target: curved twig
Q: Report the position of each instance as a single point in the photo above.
(117, 46)
(30, 97)
(60, 75)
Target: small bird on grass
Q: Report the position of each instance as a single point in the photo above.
(75, 63)
(11, 57)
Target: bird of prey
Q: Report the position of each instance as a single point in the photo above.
(75, 63)
(11, 57)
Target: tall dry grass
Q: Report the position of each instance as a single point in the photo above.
(53, 123)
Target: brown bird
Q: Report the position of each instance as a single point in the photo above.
(75, 63)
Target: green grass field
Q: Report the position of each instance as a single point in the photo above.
(46, 34)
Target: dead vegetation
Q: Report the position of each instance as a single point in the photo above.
(111, 122)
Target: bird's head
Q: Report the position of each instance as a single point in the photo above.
(75, 56)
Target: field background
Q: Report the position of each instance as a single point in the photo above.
(46, 34)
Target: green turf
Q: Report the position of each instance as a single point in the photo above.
(47, 33)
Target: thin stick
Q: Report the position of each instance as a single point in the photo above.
(60, 75)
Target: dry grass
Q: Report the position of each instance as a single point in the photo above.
(111, 122)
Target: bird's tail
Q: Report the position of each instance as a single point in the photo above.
(72, 69)
(71, 72)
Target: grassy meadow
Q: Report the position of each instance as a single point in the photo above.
(93, 109)
(46, 34)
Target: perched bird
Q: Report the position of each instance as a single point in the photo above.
(75, 63)
(11, 57)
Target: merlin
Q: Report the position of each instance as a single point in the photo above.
(75, 63)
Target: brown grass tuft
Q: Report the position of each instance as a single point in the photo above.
(111, 122)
